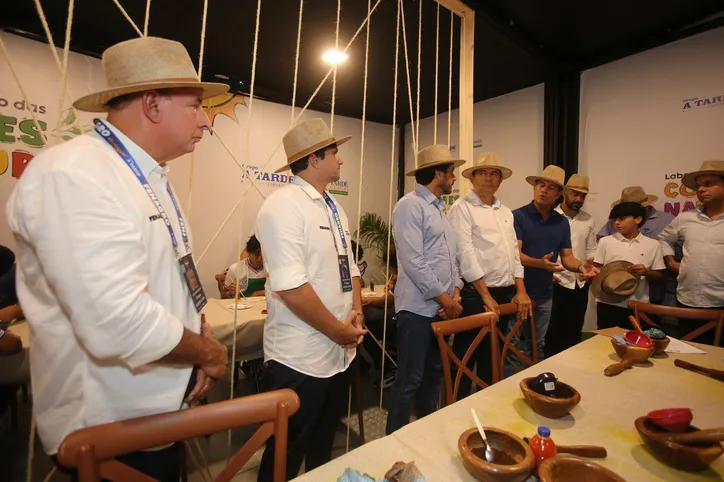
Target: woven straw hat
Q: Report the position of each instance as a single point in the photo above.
(636, 194)
(613, 284)
(488, 160)
(305, 138)
(579, 183)
(707, 167)
(434, 155)
(552, 174)
(145, 63)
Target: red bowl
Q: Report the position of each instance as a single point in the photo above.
(672, 419)
(639, 339)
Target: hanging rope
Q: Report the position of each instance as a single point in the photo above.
(64, 67)
(334, 75)
(50, 474)
(296, 60)
(148, 16)
(437, 60)
(130, 20)
(31, 449)
(415, 147)
(419, 70)
(449, 81)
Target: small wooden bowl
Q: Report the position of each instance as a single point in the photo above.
(633, 353)
(689, 458)
(660, 345)
(513, 458)
(566, 398)
(573, 469)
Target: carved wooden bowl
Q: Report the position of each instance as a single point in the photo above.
(660, 345)
(513, 459)
(566, 398)
(633, 353)
(574, 469)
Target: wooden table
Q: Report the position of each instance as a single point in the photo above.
(605, 417)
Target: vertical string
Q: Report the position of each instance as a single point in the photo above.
(192, 167)
(449, 80)
(334, 75)
(148, 16)
(296, 60)
(64, 66)
(130, 20)
(409, 81)
(437, 60)
(419, 70)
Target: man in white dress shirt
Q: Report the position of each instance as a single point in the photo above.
(487, 250)
(314, 296)
(570, 292)
(105, 270)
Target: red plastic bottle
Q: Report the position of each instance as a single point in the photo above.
(542, 445)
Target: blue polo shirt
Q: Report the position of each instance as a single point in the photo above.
(540, 238)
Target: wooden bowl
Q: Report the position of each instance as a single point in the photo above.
(660, 345)
(573, 469)
(566, 398)
(634, 353)
(513, 459)
(689, 458)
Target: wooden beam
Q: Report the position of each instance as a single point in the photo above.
(458, 7)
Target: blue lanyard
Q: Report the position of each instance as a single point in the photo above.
(335, 214)
(118, 146)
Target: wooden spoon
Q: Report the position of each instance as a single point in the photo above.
(716, 374)
(700, 436)
(591, 451)
(617, 368)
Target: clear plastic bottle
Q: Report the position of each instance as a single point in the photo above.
(542, 445)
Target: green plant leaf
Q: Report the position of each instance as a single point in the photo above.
(373, 232)
(69, 116)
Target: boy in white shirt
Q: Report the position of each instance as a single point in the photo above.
(249, 270)
(614, 288)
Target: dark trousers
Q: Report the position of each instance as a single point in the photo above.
(472, 305)
(323, 402)
(610, 316)
(418, 370)
(374, 322)
(163, 465)
(687, 326)
(569, 312)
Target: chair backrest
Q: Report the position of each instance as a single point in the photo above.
(714, 317)
(93, 450)
(508, 309)
(442, 329)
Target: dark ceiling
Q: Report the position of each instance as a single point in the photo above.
(518, 43)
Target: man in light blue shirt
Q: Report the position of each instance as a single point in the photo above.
(428, 285)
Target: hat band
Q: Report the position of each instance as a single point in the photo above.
(582, 188)
(311, 149)
(159, 81)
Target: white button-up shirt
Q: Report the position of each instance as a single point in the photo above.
(701, 275)
(487, 246)
(583, 242)
(640, 250)
(295, 228)
(100, 285)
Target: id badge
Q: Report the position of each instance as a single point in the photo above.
(188, 268)
(344, 273)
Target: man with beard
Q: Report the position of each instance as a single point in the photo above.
(570, 292)
(428, 285)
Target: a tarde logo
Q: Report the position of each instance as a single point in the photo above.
(673, 189)
(340, 187)
(696, 102)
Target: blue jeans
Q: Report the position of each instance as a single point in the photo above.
(522, 341)
(419, 370)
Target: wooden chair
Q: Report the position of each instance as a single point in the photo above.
(92, 450)
(511, 309)
(443, 329)
(224, 292)
(715, 318)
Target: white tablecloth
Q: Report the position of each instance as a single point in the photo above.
(249, 325)
(605, 417)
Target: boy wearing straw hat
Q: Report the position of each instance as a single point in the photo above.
(570, 292)
(701, 271)
(489, 259)
(106, 272)
(428, 283)
(543, 235)
(314, 296)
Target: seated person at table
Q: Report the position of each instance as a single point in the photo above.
(358, 253)
(249, 270)
(612, 287)
(9, 307)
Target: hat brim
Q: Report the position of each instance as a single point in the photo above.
(455, 162)
(649, 201)
(98, 101)
(689, 180)
(533, 179)
(288, 165)
(606, 270)
(504, 171)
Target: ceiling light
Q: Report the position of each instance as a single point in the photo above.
(334, 57)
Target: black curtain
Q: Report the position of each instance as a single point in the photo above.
(560, 120)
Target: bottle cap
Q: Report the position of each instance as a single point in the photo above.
(544, 431)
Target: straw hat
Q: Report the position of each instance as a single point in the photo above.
(145, 63)
(707, 167)
(614, 283)
(305, 138)
(636, 194)
(552, 174)
(488, 160)
(434, 155)
(578, 183)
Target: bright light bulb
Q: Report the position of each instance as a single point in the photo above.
(334, 57)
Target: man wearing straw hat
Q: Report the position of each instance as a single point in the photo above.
(314, 296)
(428, 283)
(488, 255)
(106, 273)
(543, 235)
(701, 271)
(570, 292)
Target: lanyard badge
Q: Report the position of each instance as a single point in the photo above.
(188, 267)
(345, 275)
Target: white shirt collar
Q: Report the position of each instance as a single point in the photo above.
(145, 162)
(560, 210)
(621, 237)
(307, 188)
(475, 200)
